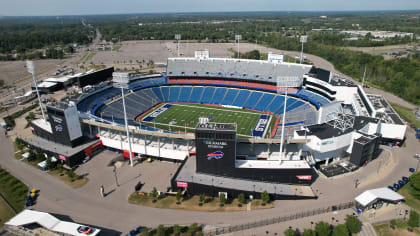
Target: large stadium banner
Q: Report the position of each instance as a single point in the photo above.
(261, 125)
(157, 112)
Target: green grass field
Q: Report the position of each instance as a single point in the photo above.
(14, 191)
(181, 114)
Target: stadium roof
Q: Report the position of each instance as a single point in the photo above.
(235, 68)
(371, 195)
(384, 111)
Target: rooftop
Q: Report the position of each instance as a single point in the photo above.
(371, 195)
(384, 111)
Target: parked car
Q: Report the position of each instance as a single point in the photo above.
(392, 188)
(405, 179)
(400, 182)
(396, 186)
(412, 170)
(84, 230)
(29, 201)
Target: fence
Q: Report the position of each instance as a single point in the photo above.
(275, 220)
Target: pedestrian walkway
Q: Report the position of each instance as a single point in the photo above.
(367, 230)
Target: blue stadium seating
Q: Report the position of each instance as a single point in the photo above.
(165, 93)
(264, 101)
(252, 100)
(196, 94)
(218, 95)
(294, 105)
(207, 94)
(158, 93)
(184, 95)
(230, 95)
(241, 98)
(277, 102)
(174, 93)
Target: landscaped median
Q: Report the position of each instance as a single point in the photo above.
(68, 176)
(194, 203)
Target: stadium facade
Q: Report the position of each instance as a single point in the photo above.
(326, 119)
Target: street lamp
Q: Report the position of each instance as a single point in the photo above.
(303, 39)
(177, 37)
(31, 69)
(121, 81)
(237, 38)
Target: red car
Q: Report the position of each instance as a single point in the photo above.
(84, 230)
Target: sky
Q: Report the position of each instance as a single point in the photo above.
(89, 7)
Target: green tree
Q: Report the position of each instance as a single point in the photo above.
(290, 232)
(177, 229)
(353, 224)
(31, 156)
(71, 174)
(241, 198)
(179, 195)
(308, 232)
(202, 198)
(340, 230)
(49, 164)
(322, 228)
(265, 197)
(413, 221)
(222, 198)
(60, 168)
(161, 230)
(154, 194)
(415, 183)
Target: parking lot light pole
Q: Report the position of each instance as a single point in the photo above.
(121, 81)
(31, 69)
(238, 37)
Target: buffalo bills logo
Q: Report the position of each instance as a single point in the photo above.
(58, 128)
(215, 155)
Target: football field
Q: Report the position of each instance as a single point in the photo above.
(184, 117)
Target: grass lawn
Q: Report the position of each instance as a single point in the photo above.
(181, 114)
(399, 230)
(5, 212)
(116, 48)
(410, 199)
(407, 114)
(78, 181)
(14, 191)
(191, 204)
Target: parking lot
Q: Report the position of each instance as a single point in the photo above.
(119, 181)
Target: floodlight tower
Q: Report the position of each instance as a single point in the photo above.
(121, 81)
(238, 37)
(303, 39)
(177, 37)
(285, 82)
(31, 69)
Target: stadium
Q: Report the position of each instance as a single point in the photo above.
(239, 125)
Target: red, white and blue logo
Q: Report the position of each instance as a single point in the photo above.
(58, 128)
(215, 155)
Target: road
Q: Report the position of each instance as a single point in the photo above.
(85, 207)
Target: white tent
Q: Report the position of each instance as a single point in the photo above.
(372, 195)
(47, 221)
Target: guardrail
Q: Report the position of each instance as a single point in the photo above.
(275, 220)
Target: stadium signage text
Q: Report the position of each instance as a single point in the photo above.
(261, 126)
(157, 112)
(215, 144)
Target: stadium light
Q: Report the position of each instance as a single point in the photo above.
(285, 82)
(31, 69)
(121, 81)
(303, 39)
(177, 37)
(238, 37)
